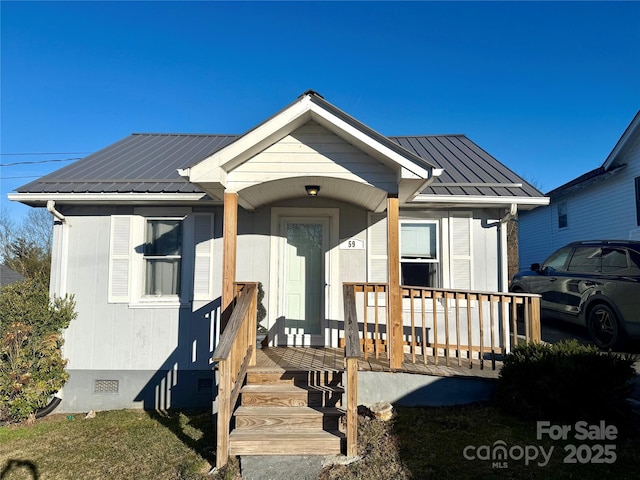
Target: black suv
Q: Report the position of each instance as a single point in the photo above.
(595, 284)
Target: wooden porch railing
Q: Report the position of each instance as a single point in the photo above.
(233, 355)
(454, 323)
(351, 356)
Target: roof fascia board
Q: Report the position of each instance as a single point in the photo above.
(288, 120)
(631, 134)
(561, 192)
(93, 198)
(478, 200)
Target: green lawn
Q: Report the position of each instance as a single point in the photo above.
(419, 443)
(129, 444)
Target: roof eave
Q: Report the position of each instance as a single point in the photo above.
(630, 135)
(111, 198)
(479, 201)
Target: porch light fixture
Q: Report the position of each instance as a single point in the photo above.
(312, 190)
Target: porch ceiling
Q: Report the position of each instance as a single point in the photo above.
(363, 195)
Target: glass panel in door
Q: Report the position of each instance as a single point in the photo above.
(304, 278)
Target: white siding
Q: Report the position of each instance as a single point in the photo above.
(311, 148)
(108, 336)
(604, 210)
(534, 241)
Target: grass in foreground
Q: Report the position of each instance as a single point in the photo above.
(425, 443)
(419, 443)
(115, 444)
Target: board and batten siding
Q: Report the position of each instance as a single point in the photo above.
(312, 148)
(604, 210)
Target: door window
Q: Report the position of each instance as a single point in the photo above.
(557, 261)
(586, 260)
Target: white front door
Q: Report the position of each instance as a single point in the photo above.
(305, 278)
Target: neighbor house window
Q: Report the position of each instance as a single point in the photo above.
(637, 200)
(419, 253)
(162, 256)
(562, 215)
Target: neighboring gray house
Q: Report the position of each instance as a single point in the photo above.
(601, 204)
(139, 235)
(8, 276)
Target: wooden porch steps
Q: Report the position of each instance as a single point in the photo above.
(288, 412)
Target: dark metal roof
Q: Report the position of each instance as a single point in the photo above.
(464, 162)
(148, 163)
(139, 163)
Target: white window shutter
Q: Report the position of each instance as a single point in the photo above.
(460, 250)
(203, 266)
(120, 252)
(377, 247)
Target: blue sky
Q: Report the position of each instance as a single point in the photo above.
(546, 87)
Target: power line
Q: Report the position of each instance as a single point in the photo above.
(27, 176)
(44, 153)
(39, 161)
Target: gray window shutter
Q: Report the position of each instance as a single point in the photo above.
(120, 251)
(461, 246)
(377, 247)
(203, 266)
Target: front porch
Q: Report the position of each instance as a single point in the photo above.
(292, 397)
(320, 359)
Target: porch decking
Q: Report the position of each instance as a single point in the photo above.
(305, 385)
(327, 358)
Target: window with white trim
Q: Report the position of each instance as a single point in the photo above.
(161, 261)
(419, 257)
(162, 256)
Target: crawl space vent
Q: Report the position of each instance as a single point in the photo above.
(106, 386)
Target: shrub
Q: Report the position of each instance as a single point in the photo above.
(565, 381)
(31, 367)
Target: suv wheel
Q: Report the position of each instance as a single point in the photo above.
(604, 327)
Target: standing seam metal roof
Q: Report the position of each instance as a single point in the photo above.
(148, 163)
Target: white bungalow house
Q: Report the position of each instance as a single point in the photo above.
(602, 204)
(151, 232)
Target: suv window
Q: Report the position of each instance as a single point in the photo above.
(586, 259)
(635, 258)
(558, 260)
(613, 259)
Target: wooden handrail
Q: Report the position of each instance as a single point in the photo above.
(472, 323)
(352, 354)
(233, 356)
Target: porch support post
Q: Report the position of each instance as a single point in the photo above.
(229, 242)
(396, 353)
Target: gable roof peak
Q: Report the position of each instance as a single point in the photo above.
(311, 92)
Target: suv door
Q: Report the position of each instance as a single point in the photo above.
(544, 283)
(583, 276)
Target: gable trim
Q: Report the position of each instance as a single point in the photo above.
(309, 107)
(631, 134)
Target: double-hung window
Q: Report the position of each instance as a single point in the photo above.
(419, 253)
(563, 218)
(162, 256)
